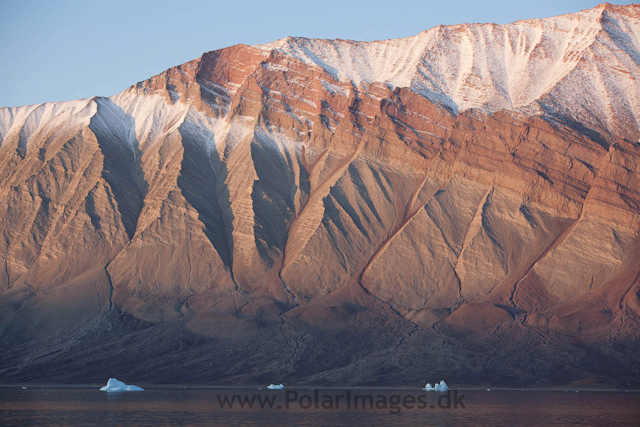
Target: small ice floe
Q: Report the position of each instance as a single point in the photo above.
(115, 385)
(488, 389)
(24, 388)
(441, 386)
(275, 387)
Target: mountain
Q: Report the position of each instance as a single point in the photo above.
(462, 204)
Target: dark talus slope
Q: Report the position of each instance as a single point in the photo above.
(261, 214)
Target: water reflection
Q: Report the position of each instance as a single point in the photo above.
(197, 407)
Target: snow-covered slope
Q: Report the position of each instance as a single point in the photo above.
(470, 65)
(42, 120)
(582, 67)
(580, 61)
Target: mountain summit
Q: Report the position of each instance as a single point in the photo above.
(460, 204)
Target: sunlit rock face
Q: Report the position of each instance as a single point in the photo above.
(461, 204)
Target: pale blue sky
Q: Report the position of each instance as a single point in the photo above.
(54, 50)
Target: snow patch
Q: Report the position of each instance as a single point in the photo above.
(154, 117)
(333, 89)
(29, 122)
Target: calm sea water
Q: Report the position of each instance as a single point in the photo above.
(309, 407)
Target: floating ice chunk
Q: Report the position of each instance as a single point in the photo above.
(441, 386)
(115, 385)
(276, 387)
(24, 388)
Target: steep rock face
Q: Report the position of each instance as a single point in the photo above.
(337, 212)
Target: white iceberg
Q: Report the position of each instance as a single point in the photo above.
(114, 385)
(441, 386)
(275, 387)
